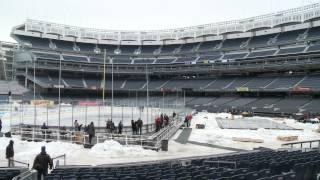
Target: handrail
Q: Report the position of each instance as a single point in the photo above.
(27, 175)
(21, 162)
(303, 142)
(64, 159)
(64, 155)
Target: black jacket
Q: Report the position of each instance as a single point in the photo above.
(91, 130)
(139, 123)
(9, 151)
(42, 161)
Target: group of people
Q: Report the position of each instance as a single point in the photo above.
(136, 126)
(111, 128)
(41, 163)
(161, 121)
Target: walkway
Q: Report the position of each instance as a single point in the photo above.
(184, 139)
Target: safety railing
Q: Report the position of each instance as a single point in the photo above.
(27, 175)
(150, 142)
(14, 162)
(302, 143)
(23, 163)
(168, 131)
(59, 157)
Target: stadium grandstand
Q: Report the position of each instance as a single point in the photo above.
(249, 61)
(250, 87)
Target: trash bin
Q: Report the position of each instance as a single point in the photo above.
(164, 145)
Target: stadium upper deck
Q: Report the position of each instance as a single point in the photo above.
(244, 28)
(282, 34)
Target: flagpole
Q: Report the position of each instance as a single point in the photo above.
(104, 83)
(104, 77)
(147, 78)
(60, 91)
(34, 92)
(111, 88)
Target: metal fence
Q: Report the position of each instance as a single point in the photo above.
(64, 115)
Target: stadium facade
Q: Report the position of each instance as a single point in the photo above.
(266, 64)
(6, 60)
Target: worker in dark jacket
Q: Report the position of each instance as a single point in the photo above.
(139, 126)
(120, 127)
(134, 127)
(10, 154)
(41, 163)
(91, 131)
(0, 125)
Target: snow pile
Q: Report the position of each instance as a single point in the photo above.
(113, 149)
(26, 151)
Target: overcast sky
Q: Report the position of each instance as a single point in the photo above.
(135, 14)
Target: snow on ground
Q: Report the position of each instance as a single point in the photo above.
(212, 134)
(109, 152)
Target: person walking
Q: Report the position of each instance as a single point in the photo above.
(112, 127)
(158, 122)
(41, 163)
(91, 131)
(134, 128)
(0, 125)
(120, 127)
(10, 154)
(139, 124)
(76, 125)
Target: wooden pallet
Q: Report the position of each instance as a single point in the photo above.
(240, 139)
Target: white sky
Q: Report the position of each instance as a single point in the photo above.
(135, 14)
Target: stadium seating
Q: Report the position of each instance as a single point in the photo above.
(64, 45)
(167, 49)
(188, 47)
(313, 33)
(258, 82)
(311, 81)
(164, 60)
(149, 49)
(235, 56)
(284, 83)
(262, 53)
(185, 59)
(9, 173)
(74, 82)
(75, 58)
(261, 41)
(266, 164)
(226, 64)
(208, 45)
(268, 83)
(293, 50)
(289, 37)
(122, 60)
(295, 104)
(127, 49)
(47, 56)
(314, 48)
(144, 61)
